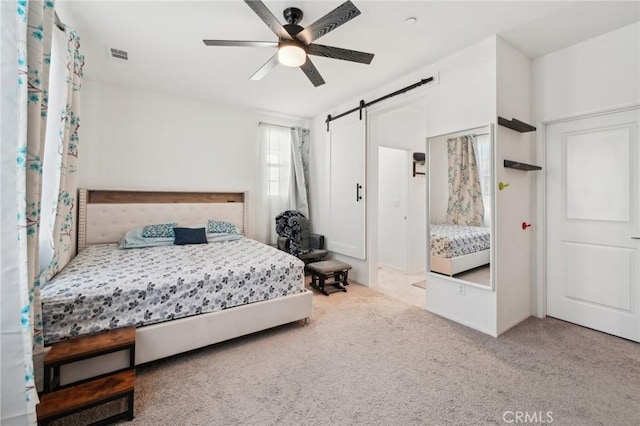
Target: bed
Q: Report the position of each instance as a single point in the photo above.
(458, 248)
(180, 297)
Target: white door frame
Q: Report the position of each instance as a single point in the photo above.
(540, 240)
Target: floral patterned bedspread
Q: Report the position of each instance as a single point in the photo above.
(105, 288)
(456, 240)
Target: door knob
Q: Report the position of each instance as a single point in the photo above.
(525, 225)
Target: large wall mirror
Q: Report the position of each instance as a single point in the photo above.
(461, 205)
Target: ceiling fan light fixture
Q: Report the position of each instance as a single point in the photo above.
(291, 55)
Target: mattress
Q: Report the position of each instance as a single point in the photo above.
(105, 287)
(458, 240)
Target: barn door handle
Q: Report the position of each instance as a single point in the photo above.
(358, 196)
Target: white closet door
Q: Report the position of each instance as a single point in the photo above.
(593, 222)
(347, 186)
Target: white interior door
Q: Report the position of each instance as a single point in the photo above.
(593, 254)
(393, 200)
(347, 186)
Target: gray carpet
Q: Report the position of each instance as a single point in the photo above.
(367, 359)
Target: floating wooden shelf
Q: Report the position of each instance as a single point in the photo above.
(520, 166)
(517, 125)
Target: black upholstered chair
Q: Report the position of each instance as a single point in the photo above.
(295, 238)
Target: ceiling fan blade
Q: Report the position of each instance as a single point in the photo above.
(339, 53)
(267, 17)
(332, 20)
(312, 73)
(240, 43)
(266, 68)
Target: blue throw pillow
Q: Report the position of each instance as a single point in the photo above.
(221, 227)
(161, 230)
(190, 236)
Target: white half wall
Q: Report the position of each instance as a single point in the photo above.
(600, 73)
(136, 139)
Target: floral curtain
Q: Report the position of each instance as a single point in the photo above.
(300, 170)
(465, 205)
(35, 25)
(63, 226)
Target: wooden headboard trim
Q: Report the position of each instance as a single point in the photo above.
(143, 197)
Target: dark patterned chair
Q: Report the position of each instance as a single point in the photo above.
(295, 238)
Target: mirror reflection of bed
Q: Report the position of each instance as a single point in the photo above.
(460, 200)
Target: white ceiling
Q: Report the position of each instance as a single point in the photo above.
(166, 53)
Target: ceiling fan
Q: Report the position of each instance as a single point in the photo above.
(296, 43)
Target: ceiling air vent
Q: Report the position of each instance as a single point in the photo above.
(118, 54)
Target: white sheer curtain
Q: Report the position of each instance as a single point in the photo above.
(274, 180)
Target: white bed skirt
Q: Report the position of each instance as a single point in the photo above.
(173, 337)
(455, 265)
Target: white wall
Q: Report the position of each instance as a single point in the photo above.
(135, 139)
(393, 197)
(513, 245)
(599, 73)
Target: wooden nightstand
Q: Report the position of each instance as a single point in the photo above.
(60, 401)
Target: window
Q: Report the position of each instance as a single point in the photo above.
(483, 156)
(278, 160)
(274, 147)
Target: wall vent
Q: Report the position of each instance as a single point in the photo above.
(119, 54)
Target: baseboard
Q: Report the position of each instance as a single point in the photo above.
(514, 324)
(465, 323)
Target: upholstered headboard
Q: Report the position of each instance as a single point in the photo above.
(104, 216)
